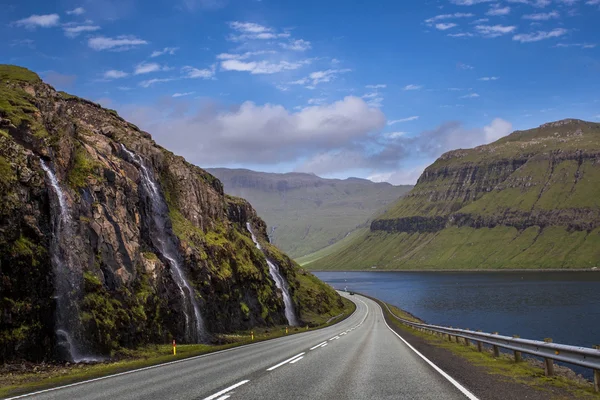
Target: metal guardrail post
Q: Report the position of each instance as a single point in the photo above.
(518, 357)
(597, 375)
(496, 348)
(467, 340)
(479, 344)
(548, 363)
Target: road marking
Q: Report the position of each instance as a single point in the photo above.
(214, 353)
(319, 345)
(224, 397)
(285, 362)
(334, 338)
(343, 333)
(325, 344)
(453, 381)
(222, 392)
(296, 360)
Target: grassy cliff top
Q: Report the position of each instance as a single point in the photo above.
(15, 73)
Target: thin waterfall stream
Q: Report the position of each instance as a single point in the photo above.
(280, 282)
(161, 238)
(66, 283)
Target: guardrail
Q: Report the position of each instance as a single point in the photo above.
(581, 356)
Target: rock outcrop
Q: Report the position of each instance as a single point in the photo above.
(528, 200)
(123, 289)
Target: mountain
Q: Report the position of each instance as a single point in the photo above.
(307, 213)
(528, 200)
(108, 240)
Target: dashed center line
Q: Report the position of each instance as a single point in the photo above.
(224, 397)
(296, 360)
(319, 345)
(284, 362)
(219, 395)
(334, 338)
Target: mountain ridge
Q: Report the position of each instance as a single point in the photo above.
(141, 232)
(308, 213)
(528, 200)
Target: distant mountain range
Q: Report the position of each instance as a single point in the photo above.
(304, 212)
(528, 200)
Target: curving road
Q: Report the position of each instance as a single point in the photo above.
(359, 358)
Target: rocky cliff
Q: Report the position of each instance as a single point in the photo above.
(113, 241)
(529, 200)
(307, 213)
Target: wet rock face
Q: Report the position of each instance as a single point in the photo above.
(125, 293)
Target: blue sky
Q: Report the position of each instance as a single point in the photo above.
(370, 89)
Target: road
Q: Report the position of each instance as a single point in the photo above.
(359, 358)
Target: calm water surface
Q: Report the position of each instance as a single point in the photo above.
(564, 306)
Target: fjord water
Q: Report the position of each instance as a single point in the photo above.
(564, 306)
(162, 239)
(280, 282)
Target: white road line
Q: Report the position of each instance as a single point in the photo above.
(343, 333)
(296, 360)
(323, 345)
(224, 397)
(319, 345)
(453, 381)
(222, 392)
(276, 340)
(285, 362)
(334, 338)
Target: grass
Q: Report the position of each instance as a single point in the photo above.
(526, 372)
(308, 213)
(307, 259)
(58, 375)
(14, 73)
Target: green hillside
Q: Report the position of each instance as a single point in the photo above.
(306, 213)
(529, 200)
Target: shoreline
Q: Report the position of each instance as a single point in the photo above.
(455, 270)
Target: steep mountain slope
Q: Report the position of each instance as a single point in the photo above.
(529, 200)
(308, 213)
(108, 240)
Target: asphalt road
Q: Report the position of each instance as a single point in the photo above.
(359, 358)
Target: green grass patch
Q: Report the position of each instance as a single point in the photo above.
(15, 73)
(13, 384)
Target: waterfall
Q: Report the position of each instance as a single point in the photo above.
(280, 282)
(66, 283)
(161, 237)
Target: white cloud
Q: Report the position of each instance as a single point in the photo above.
(115, 74)
(167, 50)
(243, 56)
(39, 21)
(413, 87)
(146, 68)
(253, 133)
(542, 16)
(493, 31)
(496, 11)
(74, 31)
(326, 76)
(371, 95)
(151, 82)
(464, 66)
(296, 45)
(195, 73)
(448, 16)
(183, 94)
(540, 35)
(119, 43)
(261, 67)
(377, 86)
(403, 176)
(76, 11)
(459, 35)
(582, 45)
(253, 31)
(488, 78)
(396, 121)
(470, 96)
(394, 135)
(496, 130)
(469, 2)
(445, 26)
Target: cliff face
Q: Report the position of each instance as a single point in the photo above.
(135, 215)
(307, 213)
(528, 200)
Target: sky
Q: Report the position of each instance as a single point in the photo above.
(376, 90)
